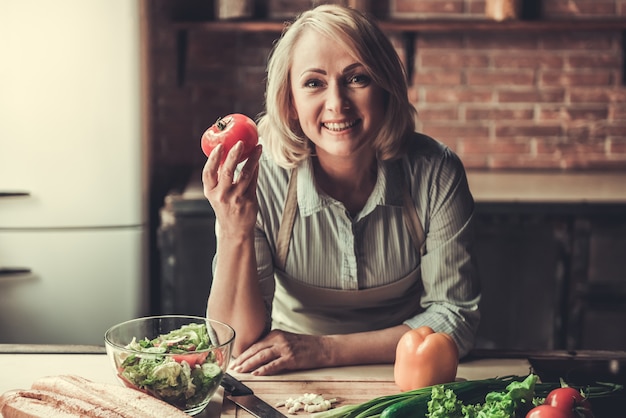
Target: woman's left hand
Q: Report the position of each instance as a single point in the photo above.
(280, 351)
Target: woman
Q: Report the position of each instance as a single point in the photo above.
(351, 228)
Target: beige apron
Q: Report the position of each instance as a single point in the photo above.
(307, 309)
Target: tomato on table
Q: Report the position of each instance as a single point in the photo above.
(567, 399)
(547, 411)
(563, 402)
(229, 130)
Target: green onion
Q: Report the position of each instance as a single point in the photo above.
(470, 392)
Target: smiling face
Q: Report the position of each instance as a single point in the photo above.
(338, 106)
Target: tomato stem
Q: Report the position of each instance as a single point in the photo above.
(222, 123)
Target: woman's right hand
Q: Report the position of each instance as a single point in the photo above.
(233, 199)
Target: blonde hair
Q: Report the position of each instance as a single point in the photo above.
(282, 135)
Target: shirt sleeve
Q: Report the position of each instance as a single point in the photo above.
(451, 288)
(265, 270)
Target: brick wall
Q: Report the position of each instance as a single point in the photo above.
(524, 100)
(507, 100)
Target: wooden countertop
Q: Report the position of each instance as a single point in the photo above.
(348, 384)
(552, 187)
(514, 187)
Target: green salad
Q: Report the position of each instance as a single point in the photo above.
(186, 377)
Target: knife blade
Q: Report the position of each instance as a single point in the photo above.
(244, 397)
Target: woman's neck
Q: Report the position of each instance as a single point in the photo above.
(350, 181)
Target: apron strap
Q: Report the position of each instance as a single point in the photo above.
(286, 222)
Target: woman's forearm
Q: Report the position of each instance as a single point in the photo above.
(235, 296)
(371, 347)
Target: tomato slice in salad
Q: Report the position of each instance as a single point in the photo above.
(191, 358)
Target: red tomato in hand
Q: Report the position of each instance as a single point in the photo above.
(228, 131)
(547, 411)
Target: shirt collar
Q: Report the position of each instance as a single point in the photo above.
(309, 200)
(385, 193)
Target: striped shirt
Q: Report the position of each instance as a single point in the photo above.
(332, 249)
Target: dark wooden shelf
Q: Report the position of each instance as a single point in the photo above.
(409, 29)
(506, 26)
(457, 25)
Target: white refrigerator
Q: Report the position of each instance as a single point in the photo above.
(73, 193)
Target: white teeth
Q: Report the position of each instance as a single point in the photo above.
(336, 126)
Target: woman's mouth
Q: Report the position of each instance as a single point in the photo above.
(339, 126)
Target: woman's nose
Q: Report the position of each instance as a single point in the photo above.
(337, 100)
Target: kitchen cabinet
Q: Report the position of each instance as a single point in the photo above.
(520, 259)
(551, 252)
(552, 276)
(186, 241)
(597, 296)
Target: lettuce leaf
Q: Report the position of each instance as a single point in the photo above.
(517, 396)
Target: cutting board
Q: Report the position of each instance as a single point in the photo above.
(349, 385)
(346, 392)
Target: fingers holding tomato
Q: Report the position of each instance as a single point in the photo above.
(229, 182)
(249, 171)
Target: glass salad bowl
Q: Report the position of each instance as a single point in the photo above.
(178, 359)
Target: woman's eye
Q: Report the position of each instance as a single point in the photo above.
(359, 79)
(313, 83)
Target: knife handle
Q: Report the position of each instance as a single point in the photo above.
(234, 387)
